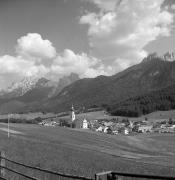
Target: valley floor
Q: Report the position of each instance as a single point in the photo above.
(84, 152)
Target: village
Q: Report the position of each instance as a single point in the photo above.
(114, 126)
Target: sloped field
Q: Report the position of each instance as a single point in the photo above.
(85, 153)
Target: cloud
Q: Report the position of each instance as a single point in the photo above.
(121, 29)
(104, 24)
(117, 33)
(14, 69)
(173, 6)
(82, 64)
(10, 64)
(33, 47)
(104, 5)
(32, 56)
(37, 57)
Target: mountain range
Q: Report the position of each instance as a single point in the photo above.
(152, 74)
(31, 92)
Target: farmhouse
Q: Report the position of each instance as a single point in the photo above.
(100, 129)
(85, 124)
(52, 123)
(145, 128)
(164, 126)
(124, 130)
(173, 126)
(107, 130)
(167, 130)
(115, 132)
(108, 124)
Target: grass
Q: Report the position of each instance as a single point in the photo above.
(158, 115)
(92, 115)
(85, 153)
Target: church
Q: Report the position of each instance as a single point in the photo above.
(77, 122)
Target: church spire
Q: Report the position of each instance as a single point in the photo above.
(72, 114)
(72, 108)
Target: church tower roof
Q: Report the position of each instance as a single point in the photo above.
(72, 108)
(72, 113)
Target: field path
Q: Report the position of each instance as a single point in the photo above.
(11, 131)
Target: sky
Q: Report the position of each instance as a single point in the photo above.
(52, 38)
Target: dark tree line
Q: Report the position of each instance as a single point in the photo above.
(162, 100)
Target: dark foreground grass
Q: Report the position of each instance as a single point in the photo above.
(85, 153)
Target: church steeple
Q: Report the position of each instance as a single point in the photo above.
(72, 114)
(72, 108)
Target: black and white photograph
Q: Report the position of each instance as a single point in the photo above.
(87, 89)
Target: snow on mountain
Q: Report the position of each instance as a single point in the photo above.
(20, 88)
(168, 56)
(32, 82)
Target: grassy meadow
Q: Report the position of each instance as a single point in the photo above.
(82, 152)
(155, 116)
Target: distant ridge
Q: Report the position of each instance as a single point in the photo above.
(30, 93)
(152, 74)
(149, 75)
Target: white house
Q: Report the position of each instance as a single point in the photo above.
(145, 128)
(173, 126)
(100, 129)
(106, 129)
(115, 132)
(85, 124)
(126, 131)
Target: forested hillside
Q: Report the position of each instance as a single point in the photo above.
(152, 74)
(140, 105)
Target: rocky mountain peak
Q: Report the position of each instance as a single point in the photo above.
(63, 82)
(29, 83)
(23, 86)
(169, 56)
(68, 79)
(41, 82)
(150, 57)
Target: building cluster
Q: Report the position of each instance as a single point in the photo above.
(116, 126)
(127, 127)
(124, 127)
(49, 123)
